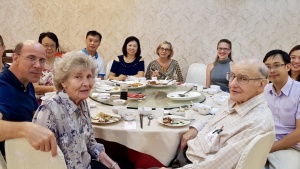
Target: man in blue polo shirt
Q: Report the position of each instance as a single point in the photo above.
(17, 96)
(93, 40)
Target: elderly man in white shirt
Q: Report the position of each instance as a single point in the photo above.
(220, 143)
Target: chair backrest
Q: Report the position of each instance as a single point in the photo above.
(19, 154)
(108, 66)
(196, 74)
(256, 153)
(2, 162)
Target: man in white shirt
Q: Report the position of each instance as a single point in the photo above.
(93, 40)
(219, 143)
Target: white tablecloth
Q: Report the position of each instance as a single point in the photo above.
(156, 140)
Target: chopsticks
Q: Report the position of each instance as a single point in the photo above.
(141, 120)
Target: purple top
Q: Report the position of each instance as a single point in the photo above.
(285, 107)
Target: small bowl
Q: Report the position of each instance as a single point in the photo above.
(145, 110)
(215, 87)
(204, 110)
(98, 79)
(119, 101)
(9, 54)
(129, 115)
(178, 112)
(103, 98)
(115, 109)
(212, 91)
(115, 96)
(95, 94)
(103, 95)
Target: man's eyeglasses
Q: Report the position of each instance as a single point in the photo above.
(241, 79)
(164, 49)
(224, 49)
(47, 46)
(33, 60)
(275, 67)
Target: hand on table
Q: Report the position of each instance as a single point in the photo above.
(122, 77)
(40, 138)
(155, 73)
(192, 133)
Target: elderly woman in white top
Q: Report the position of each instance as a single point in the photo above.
(67, 114)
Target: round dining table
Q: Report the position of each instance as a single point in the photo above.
(157, 140)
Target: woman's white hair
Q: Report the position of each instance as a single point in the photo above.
(69, 62)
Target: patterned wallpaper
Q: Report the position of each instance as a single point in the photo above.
(193, 26)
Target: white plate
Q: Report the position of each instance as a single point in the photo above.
(180, 123)
(188, 96)
(109, 89)
(133, 98)
(115, 118)
(160, 85)
(132, 82)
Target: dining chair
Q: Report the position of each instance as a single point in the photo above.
(19, 154)
(108, 66)
(2, 162)
(256, 153)
(196, 74)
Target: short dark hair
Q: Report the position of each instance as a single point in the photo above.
(93, 33)
(50, 35)
(129, 39)
(285, 57)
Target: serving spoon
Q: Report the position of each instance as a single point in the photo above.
(183, 95)
(150, 117)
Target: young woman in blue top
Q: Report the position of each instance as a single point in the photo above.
(130, 63)
(216, 71)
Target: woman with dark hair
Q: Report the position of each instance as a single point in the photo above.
(295, 63)
(216, 71)
(164, 66)
(2, 49)
(130, 63)
(50, 42)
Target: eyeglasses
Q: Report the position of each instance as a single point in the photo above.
(164, 49)
(47, 46)
(33, 60)
(224, 49)
(241, 79)
(275, 67)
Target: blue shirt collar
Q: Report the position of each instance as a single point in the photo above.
(85, 51)
(13, 80)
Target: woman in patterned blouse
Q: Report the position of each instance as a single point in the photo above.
(50, 42)
(164, 67)
(67, 114)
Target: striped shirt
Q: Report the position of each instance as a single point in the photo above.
(239, 123)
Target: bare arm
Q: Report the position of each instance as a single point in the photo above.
(289, 140)
(107, 161)
(208, 70)
(41, 89)
(38, 137)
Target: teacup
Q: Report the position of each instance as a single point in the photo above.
(212, 91)
(129, 115)
(215, 87)
(203, 109)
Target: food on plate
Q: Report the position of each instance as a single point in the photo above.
(102, 117)
(174, 121)
(152, 83)
(135, 95)
(135, 85)
(167, 120)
